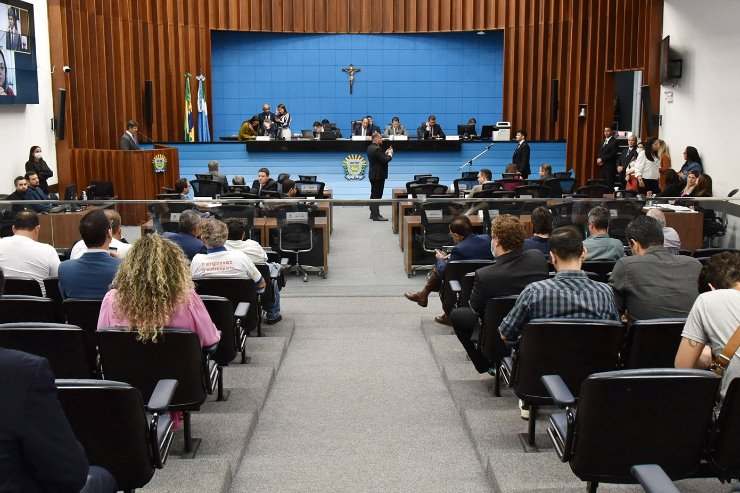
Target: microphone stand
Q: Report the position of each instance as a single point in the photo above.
(470, 162)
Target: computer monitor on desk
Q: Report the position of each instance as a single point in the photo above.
(330, 135)
(70, 192)
(466, 131)
(486, 132)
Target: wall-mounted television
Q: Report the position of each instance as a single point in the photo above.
(671, 69)
(18, 77)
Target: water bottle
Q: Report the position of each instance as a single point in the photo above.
(84, 195)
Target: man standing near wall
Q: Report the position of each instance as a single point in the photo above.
(607, 160)
(521, 154)
(378, 161)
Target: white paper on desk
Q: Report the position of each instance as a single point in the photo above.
(174, 217)
(452, 137)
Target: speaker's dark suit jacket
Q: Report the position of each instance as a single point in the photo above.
(221, 179)
(624, 159)
(87, 277)
(378, 162)
(521, 159)
(128, 143)
(269, 186)
(511, 273)
(38, 450)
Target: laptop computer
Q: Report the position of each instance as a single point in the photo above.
(307, 134)
(327, 136)
(486, 131)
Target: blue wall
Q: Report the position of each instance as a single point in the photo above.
(235, 160)
(455, 76)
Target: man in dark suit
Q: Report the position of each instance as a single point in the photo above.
(364, 129)
(267, 122)
(430, 130)
(513, 271)
(468, 246)
(263, 183)
(35, 192)
(213, 170)
(89, 276)
(607, 160)
(128, 139)
(378, 160)
(521, 154)
(21, 186)
(625, 158)
(38, 450)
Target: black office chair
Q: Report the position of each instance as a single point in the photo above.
(652, 343)
(708, 252)
(20, 308)
(244, 212)
(116, 429)
(295, 236)
(454, 272)
(462, 185)
(560, 185)
(100, 190)
(236, 290)
(595, 181)
(570, 347)
(206, 188)
(282, 177)
(307, 177)
(84, 314)
(489, 340)
(534, 191)
(67, 347)
(595, 191)
(622, 213)
(623, 418)
(723, 457)
(176, 355)
(602, 268)
(22, 286)
(426, 189)
(625, 194)
(425, 178)
(435, 231)
(653, 479)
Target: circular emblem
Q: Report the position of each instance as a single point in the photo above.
(354, 167)
(159, 163)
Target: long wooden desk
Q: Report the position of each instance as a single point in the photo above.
(346, 145)
(397, 193)
(689, 226)
(62, 229)
(266, 224)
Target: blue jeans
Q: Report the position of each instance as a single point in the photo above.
(272, 311)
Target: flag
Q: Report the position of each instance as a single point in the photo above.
(204, 132)
(188, 124)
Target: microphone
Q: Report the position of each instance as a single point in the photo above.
(145, 136)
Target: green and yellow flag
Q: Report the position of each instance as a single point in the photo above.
(188, 127)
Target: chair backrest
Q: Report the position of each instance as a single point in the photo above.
(23, 286)
(221, 311)
(490, 185)
(243, 212)
(723, 449)
(464, 184)
(570, 347)
(101, 190)
(67, 347)
(560, 185)
(492, 345)
(563, 174)
(234, 289)
(307, 178)
(426, 189)
(656, 416)
(201, 177)
(653, 343)
(83, 313)
(536, 191)
(109, 420)
(456, 269)
(51, 285)
(625, 194)
(306, 188)
(282, 177)
(602, 268)
(594, 191)
(206, 188)
(176, 355)
(20, 308)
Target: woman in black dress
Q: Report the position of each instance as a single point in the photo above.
(36, 163)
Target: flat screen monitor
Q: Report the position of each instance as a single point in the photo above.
(18, 53)
(466, 130)
(330, 135)
(307, 177)
(486, 131)
(102, 189)
(70, 192)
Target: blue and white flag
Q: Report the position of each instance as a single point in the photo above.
(204, 131)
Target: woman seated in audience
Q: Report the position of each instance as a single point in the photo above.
(510, 186)
(689, 189)
(153, 289)
(693, 163)
(674, 187)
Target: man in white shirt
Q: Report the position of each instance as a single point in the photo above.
(21, 255)
(116, 244)
(237, 241)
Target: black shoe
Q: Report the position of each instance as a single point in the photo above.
(379, 218)
(273, 321)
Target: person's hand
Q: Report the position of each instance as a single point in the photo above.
(439, 254)
(641, 182)
(599, 162)
(115, 254)
(2, 92)
(619, 169)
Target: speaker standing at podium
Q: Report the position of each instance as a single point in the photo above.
(128, 139)
(378, 160)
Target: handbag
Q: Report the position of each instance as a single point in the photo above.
(722, 360)
(632, 183)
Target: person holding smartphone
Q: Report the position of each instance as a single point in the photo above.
(378, 159)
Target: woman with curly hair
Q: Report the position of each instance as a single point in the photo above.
(153, 289)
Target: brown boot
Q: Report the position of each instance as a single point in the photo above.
(443, 319)
(422, 297)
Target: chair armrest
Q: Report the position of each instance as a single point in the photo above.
(284, 261)
(161, 397)
(558, 390)
(209, 350)
(455, 285)
(653, 479)
(241, 309)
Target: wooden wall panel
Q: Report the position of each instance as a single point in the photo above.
(114, 46)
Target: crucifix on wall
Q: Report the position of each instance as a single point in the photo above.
(351, 71)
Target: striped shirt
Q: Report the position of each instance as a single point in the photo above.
(570, 294)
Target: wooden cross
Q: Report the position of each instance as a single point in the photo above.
(351, 71)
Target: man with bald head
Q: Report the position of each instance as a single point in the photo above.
(671, 240)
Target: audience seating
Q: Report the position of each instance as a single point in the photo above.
(20, 308)
(455, 271)
(84, 314)
(111, 422)
(559, 185)
(652, 343)
(226, 319)
(489, 340)
(426, 189)
(570, 347)
(628, 417)
(602, 268)
(708, 252)
(464, 184)
(22, 286)
(237, 290)
(176, 355)
(244, 212)
(596, 181)
(206, 188)
(622, 213)
(295, 235)
(536, 191)
(595, 191)
(67, 347)
(435, 230)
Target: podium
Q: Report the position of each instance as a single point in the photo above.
(131, 173)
